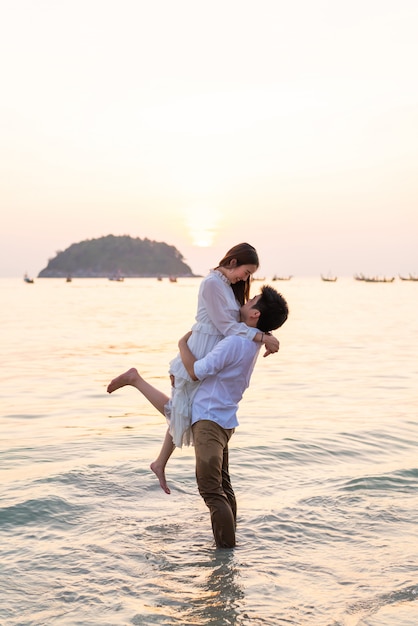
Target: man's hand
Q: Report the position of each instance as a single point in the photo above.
(271, 343)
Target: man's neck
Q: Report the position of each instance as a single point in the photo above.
(251, 323)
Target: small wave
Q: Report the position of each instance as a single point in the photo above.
(96, 481)
(322, 451)
(53, 509)
(401, 481)
(375, 604)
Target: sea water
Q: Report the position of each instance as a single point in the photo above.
(324, 462)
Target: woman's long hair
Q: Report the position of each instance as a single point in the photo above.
(244, 255)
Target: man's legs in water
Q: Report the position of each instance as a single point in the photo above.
(212, 475)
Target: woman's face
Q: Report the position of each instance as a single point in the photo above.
(242, 272)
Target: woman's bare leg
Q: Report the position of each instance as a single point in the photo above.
(158, 466)
(158, 399)
(131, 377)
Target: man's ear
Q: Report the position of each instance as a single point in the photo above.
(255, 314)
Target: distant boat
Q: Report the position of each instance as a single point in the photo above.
(256, 278)
(410, 277)
(376, 279)
(117, 278)
(275, 277)
(68, 279)
(329, 279)
(159, 278)
(27, 279)
(172, 279)
(373, 279)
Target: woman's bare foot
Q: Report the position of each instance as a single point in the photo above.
(130, 377)
(160, 474)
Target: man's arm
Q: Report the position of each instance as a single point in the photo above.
(271, 342)
(187, 356)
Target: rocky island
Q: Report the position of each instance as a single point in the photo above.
(117, 256)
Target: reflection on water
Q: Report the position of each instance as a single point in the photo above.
(324, 464)
(221, 592)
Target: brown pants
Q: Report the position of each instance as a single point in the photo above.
(212, 475)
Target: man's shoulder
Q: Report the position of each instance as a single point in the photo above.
(239, 341)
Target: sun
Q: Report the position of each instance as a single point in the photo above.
(202, 225)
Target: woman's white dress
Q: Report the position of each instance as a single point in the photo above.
(217, 316)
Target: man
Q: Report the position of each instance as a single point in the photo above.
(224, 374)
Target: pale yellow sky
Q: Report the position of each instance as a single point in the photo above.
(291, 125)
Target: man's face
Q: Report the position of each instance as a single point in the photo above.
(248, 314)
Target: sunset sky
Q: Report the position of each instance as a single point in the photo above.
(290, 125)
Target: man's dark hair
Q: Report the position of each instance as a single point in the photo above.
(273, 309)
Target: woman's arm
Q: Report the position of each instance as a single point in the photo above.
(271, 343)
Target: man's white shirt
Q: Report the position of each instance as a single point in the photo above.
(225, 374)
